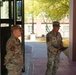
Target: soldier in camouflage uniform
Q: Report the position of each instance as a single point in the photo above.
(54, 43)
(14, 53)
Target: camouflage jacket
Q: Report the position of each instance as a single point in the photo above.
(14, 53)
(54, 42)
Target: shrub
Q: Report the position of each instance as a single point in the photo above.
(43, 35)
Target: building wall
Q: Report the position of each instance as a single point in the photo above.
(40, 29)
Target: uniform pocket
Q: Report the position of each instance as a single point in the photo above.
(10, 66)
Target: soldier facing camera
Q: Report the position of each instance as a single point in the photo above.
(54, 43)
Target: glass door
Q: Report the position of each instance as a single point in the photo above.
(12, 13)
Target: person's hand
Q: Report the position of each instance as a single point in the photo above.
(59, 51)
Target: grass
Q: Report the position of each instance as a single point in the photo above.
(41, 39)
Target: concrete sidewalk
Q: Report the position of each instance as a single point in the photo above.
(66, 67)
(37, 58)
(39, 50)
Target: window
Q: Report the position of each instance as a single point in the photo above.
(19, 11)
(4, 25)
(5, 10)
(30, 28)
(66, 28)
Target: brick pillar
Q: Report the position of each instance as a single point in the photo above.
(72, 31)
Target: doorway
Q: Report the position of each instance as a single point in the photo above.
(12, 13)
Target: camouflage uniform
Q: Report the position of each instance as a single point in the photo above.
(14, 56)
(54, 42)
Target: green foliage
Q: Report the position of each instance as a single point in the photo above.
(31, 8)
(53, 9)
(43, 35)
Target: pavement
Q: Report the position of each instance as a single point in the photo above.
(39, 50)
(36, 58)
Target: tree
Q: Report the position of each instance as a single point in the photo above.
(30, 13)
(55, 9)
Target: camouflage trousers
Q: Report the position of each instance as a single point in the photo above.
(14, 69)
(52, 66)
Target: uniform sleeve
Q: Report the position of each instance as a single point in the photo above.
(61, 43)
(60, 40)
(48, 41)
(10, 49)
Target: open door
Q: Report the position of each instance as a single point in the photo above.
(5, 34)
